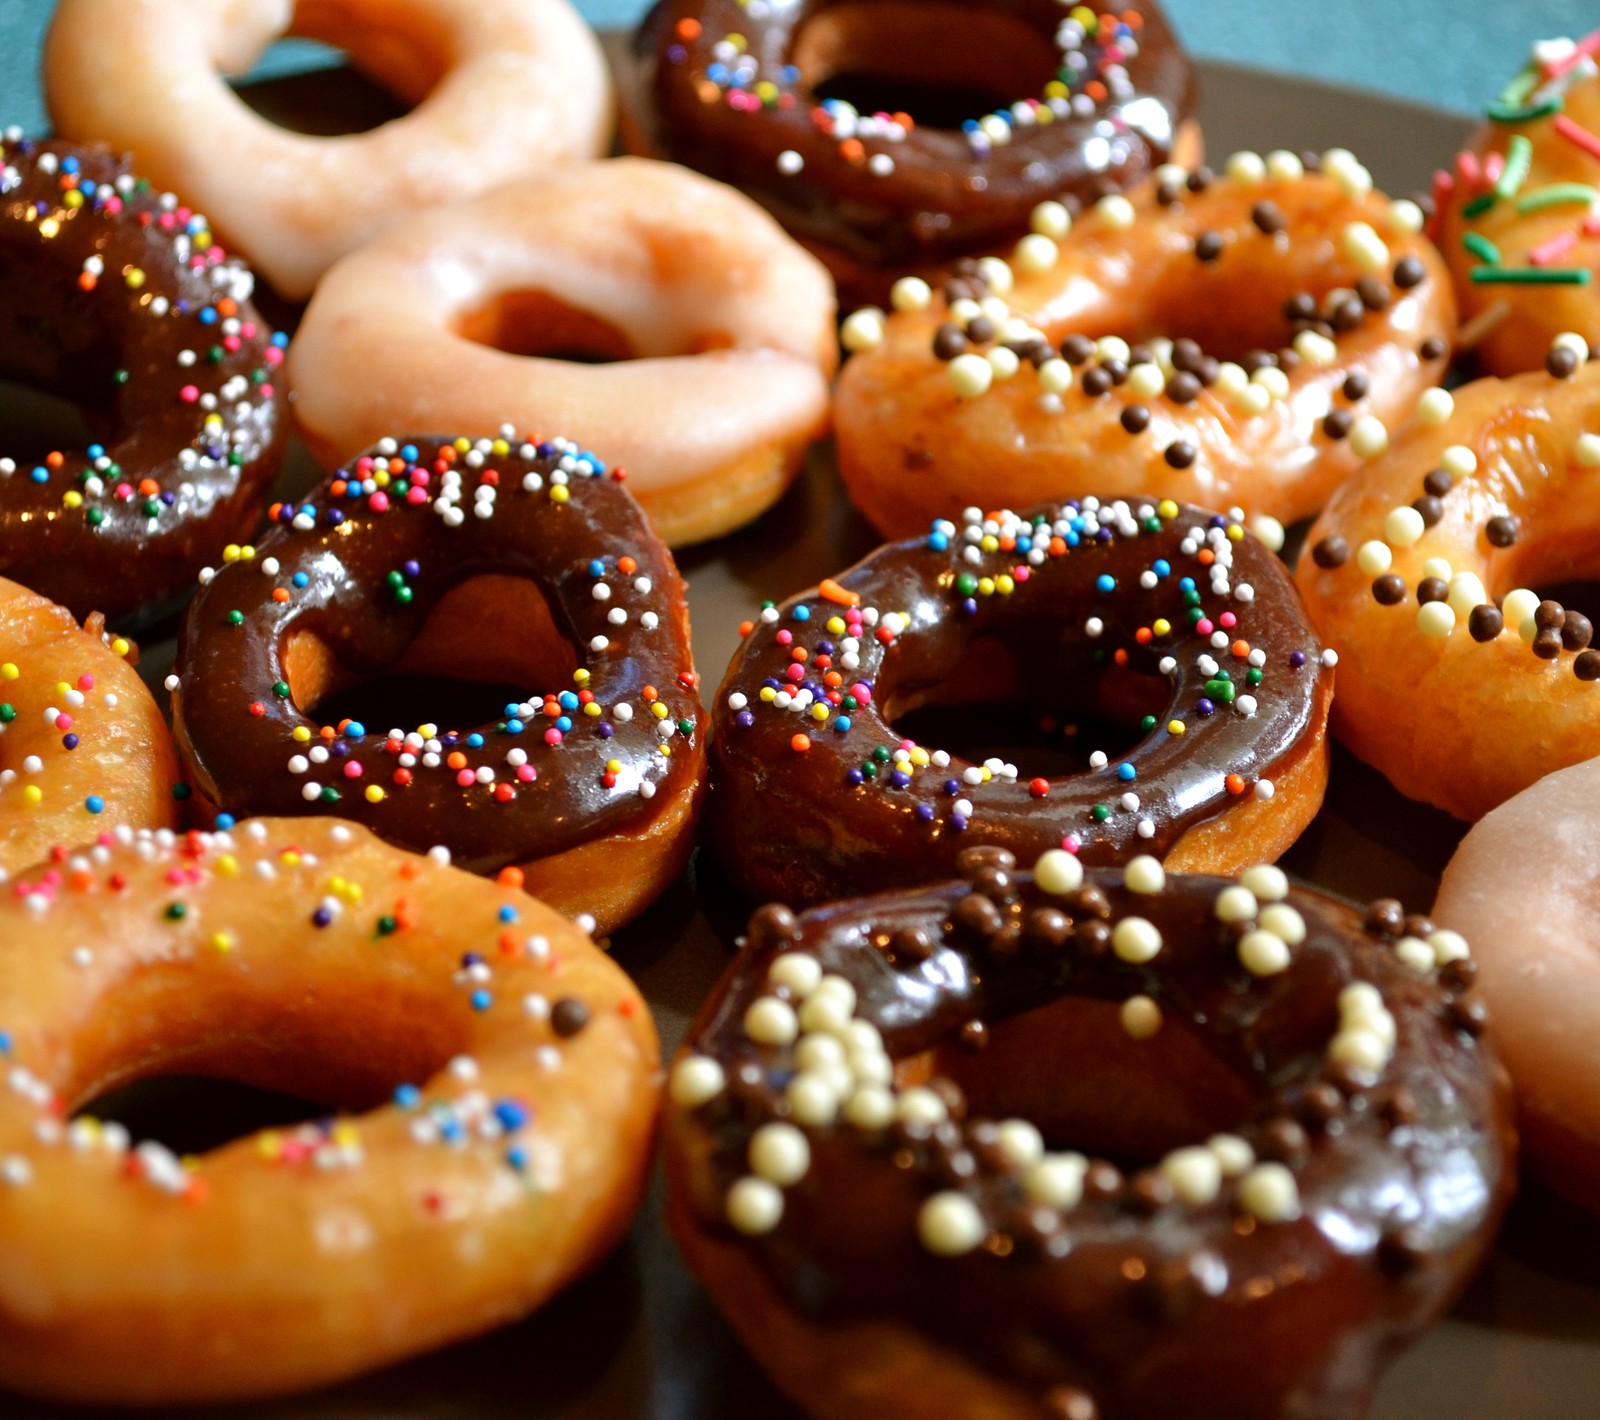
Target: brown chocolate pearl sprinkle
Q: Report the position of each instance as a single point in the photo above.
(1547, 645)
(1433, 348)
(1502, 531)
(1179, 453)
(1374, 294)
(1337, 423)
(1136, 418)
(1183, 388)
(1432, 589)
(1437, 482)
(1355, 385)
(1389, 590)
(1268, 216)
(1430, 508)
(1562, 362)
(981, 330)
(948, 341)
(1409, 272)
(1331, 551)
(1208, 246)
(1577, 631)
(1485, 623)
(568, 1016)
(1586, 665)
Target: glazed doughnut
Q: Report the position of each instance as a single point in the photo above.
(502, 89)
(1523, 882)
(586, 790)
(1163, 617)
(723, 328)
(1245, 339)
(1458, 681)
(1092, 103)
(82, 744)
(116, 297)
(506, 1076)
(1519, 215)
(872, 1135)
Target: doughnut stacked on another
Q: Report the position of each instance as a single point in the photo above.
(1242, 339)
(118, 297)
(507, 560)
(891, 1134)
(1091, 101)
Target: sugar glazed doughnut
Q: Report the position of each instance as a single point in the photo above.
(723, 327)
(82, 744)
(865, 1164)
(118, 298)
(302, 956)
(1522, 882)
(1519, 213)
(1095, 101)
(1163, 616)
(1276, 323)
(1457, 680)
(587, 790)
(501, 89)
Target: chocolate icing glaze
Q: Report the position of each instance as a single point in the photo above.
(943, 197)
(807, 826)
(115, 297)
(334, 555)
(1146, 1305)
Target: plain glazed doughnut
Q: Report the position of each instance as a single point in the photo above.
(502, 1077)
(585, 788)
(1519, 212)
(1245, 339)
(501, 88)
(117, 297)
(873, 1132)
(1095, 101)
(722, 326)
(1524, 883)
(82, 744)
(1456, 679)
(1158, 616)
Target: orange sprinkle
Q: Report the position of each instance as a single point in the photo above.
(746, 627)
(1095, 90)
(509, 944)
(831, 591)
(147, 486)
(86, 280)
(55, 460)
(511, 877)
(1241, 649)
(627, 565)
(409, 869)
(227, 306)
(1120, 656)
(1144, 635)
(688, 29)
(852, 150)
(1234, 783)
(1206, 556)
(650, 693)
(1058, 547)
(627, 1006)
(832, 679)
(800, 743)
(280, 594)
(457, 760)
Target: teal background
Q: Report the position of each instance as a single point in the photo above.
(1451, 53)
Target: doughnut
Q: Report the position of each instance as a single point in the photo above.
(497, 1078)
(584, 790)
(117, 297)
(1243, 339)
(1519, 212)
(82, 744)
(1458, 681)
(1156, 616)
(721, 331)
(1523, 882)
(500, 89)
(1083, 104)
(874, 1128)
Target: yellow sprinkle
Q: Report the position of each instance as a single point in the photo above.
(72, 498)
(31, 795)
(345, 1134)
(9, 671)
(1004, 585)
(428, 731)
(920, 757)
(290, 858)
(231, 552)
(1235, 532)
(819, 711)
(990, 543)
(121, 645)
(986, 586)
(222, 941)
(666, 750)
(62, 687)
(1161, 626)
(559, 493)
(659, 710)
(227, 866)
(739, 43)
(592, 708)
(73, 199)
(381, 479)
(1055, 89)
(501, 448)
(1167, 508)
(375, 794)
(768, 694)
(133, 276)
(835, 626)
(463, 445)
(269, 1144)
(580, 677)
(613, 766)
(301, 734)
(1174, 727)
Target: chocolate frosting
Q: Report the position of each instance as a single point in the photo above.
(116, 297)
(1141, 1303)
(1112, 124)
(360, 565)
(1051, 601)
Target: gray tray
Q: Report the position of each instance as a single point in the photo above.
(639, 1340)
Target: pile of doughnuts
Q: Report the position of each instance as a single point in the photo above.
(1056, 1098)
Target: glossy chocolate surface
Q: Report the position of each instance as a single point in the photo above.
(991, 613)
(1150, 1305)
(115, 297)
(359, 566)
(888, 196)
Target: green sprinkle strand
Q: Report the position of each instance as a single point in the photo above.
(1531, 275)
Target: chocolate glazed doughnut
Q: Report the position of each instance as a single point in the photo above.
(116, 297)
(587, 788)
(1089, 107)
(1162, 616)
(871, 1146)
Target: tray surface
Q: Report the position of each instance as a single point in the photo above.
(639, 1340)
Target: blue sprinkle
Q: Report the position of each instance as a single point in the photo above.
(225, 822)
(5, 1042)
(1186, 584)
(280, 339)
(322, 917)
(938, 542)
(564, 723)
(409, 453)
(69, 741)
(511, 1115)
(508, 913)
(208, 316)
(958, 822)
(95, 804)
(97, 451)
(1205, 707)
(597, 568)
(40, 475)
(407, 1096)
(411, 567)
(474, 741)
(517, 1157)
(568, 700)
(802, 613)
(1126, 772)
(300, 579)
(1105, 582)
(355, 729)
(514, 726)
(482, 1000)
(842, 724)
(1162, 567)
(952, 787)
(899, 779)
(970, 606)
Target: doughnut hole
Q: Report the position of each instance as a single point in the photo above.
(536, 323)
(896, 57)
(491, 639)
(35, 422)
(374, 63)
(1002, 698)
(1070, 1068)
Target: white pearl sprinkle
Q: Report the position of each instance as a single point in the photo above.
(949, 1225)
